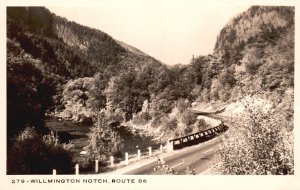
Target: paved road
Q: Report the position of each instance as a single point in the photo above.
(208, 112)
(198, 158)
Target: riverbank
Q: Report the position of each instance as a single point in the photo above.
(77, 133)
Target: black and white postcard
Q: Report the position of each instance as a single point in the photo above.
(149, 94)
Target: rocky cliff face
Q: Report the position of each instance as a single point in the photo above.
(254, 54)
(68, 36)
(261, 28)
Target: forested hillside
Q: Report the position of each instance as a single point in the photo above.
(258, 46)
(254, 55)
(59, 68)
(45, 51)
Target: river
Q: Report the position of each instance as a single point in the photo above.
(78, 134)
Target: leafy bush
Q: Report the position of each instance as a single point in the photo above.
(159, 107)
(158, 121)
(141, 118)
(32, 153)
(190, 171)
(188, 130)
(202, 125)
(114, 116)
(165, 169)
(171, 124)
(260, 145)
(188, 117)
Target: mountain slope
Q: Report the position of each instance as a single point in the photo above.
(58, 51)
(261, 41)
(254, 53)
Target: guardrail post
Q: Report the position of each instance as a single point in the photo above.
(170, 146)
(112, 164)
(96, 166)
(126, 158)
(54, 172)
(76, 169)
(150, 151)
(161, 149)
(138, 155)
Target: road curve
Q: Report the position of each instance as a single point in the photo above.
(198, 158)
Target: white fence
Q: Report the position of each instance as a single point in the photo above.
(128, 159)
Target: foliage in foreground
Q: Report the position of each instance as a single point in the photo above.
(261, 144)
(165, 169)
(33, 153)
(103, 140)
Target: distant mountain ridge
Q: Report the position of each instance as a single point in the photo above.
(132, 49)
(96, 48)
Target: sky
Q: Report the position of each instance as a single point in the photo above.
(171, 32)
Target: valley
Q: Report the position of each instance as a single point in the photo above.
(105, 97)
